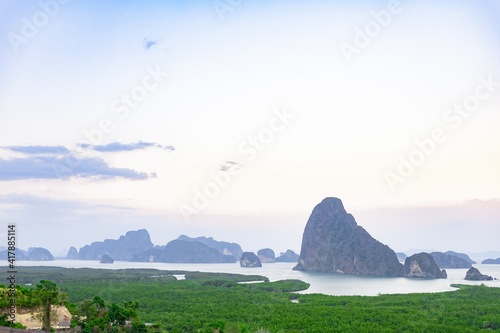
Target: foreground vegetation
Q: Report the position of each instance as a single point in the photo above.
(207, 302)
(89, 316)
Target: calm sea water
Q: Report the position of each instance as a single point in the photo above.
(329, 284)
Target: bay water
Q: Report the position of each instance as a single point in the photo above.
(323, 283)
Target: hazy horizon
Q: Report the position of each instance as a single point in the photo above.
(233, 120)
(375, 221)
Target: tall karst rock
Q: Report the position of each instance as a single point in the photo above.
(39, 254)
(423, 265)
(334, 243)
(266, 255)
(72, 253)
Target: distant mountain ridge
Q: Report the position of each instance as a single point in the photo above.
(33, 254)
(137, 246)
(179, 251)
(447, 260)
(350, 246)
(401, 256)
(225, 248)
(491, 261)
(461, 255)
(480, 256)
(122, 249)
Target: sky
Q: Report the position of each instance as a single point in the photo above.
(233, 119)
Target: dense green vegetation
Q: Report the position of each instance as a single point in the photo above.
(207, 302)
(41, 297)
(92, 316)
(33, 275)
(225, 276)
(98, 315)
(25, 297)
(4, 321)
(279, 286)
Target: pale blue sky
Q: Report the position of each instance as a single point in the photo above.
(205, 82)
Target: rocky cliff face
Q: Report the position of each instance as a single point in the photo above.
(422, 265)
(178, 251)
(151, 255)
(266, 256)
(334, 243)
(231, 249)
(288, 256)
(124, 248)
(473, 274)
(72, 253)
(491, 261)
(249, 259)
(32, 320)
(444, 260)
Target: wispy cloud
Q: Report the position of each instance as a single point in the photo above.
(38, 167)
(116, 146)
(51, 162)
(148, 43)
(38, 149)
